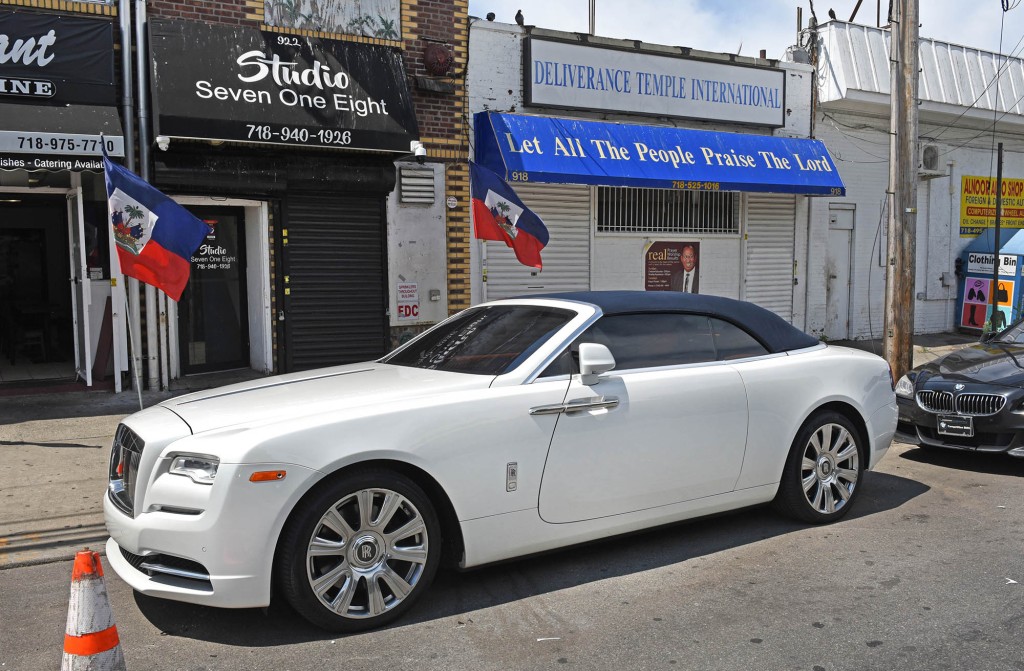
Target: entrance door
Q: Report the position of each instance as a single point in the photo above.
(81, 296)
(213, 315)
(837, 274)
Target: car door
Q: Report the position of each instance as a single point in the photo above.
(667, 425)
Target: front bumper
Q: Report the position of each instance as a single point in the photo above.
(1002, 432)
(219, 553)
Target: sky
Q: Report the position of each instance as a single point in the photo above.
(747, 26)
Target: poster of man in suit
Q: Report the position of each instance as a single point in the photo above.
(672, 266)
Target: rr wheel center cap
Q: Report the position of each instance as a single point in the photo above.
(365, 551)
(826, 467)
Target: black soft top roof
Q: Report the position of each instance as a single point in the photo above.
(773, 331)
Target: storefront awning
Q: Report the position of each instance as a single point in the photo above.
(550, 150)
(38, 137)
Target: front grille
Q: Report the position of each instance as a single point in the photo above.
(159, 564)
(979, 404)
(124, 468)
(975, 405)
(935, 401)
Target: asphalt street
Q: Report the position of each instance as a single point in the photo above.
(926, 573)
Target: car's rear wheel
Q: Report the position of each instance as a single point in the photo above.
(822, 475)
(359, 551)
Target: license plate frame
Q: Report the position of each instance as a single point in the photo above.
(961, 426)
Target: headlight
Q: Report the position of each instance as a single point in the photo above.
(905, 387)
(201, 468)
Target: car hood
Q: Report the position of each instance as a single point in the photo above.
(983, 362)
(313, 392)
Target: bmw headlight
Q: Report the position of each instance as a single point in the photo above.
(200, 468)
(905, 387)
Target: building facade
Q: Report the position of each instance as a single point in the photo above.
(747, 224)
(965, 109)
(325, 145)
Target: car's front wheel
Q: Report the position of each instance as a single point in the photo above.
(822, 475)
(359, 551)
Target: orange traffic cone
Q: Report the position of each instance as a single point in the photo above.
(91, 641)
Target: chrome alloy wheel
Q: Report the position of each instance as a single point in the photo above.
(829, 468)
(367, 553)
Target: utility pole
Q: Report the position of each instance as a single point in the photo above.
(992, 322)
(902, 192)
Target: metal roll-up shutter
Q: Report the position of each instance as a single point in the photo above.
(334, 284)
(565, 210)
(768, 280)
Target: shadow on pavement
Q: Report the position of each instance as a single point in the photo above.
(967, 460)
(459, 594)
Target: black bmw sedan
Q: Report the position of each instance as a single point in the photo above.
(970, 399)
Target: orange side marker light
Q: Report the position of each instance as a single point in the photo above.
(267, 476)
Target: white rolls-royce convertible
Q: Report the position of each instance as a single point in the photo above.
(511, 428)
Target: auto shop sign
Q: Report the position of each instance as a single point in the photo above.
(239, 84)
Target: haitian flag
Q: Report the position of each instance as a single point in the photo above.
(155, 236)
(499, 215)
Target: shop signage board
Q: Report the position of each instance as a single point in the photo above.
(526, 148)
(57, 92)
(978, 204)
(47, 59)
(240, 84)
(569, 75)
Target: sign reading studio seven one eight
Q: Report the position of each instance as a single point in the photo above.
(573, 76)
(240, 84)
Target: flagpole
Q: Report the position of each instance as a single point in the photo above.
(135, 362)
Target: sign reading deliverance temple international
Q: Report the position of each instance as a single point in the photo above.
(573, 76)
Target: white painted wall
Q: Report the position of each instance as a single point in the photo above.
(859, 144)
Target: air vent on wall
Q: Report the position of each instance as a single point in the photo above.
(417, 185)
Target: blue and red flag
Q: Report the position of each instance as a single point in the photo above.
(155, 236)
(499, 215)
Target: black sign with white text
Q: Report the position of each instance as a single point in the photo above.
(244, 85)
(56, 60)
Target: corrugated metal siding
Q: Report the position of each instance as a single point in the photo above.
(334, 260)
(565, 210)
(768, 276)
(857, 57)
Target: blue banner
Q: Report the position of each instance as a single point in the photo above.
(551, 150)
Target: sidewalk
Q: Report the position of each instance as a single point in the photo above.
(927, 347)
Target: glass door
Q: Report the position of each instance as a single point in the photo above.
(213, 315)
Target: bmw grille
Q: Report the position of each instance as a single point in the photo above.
(976, 405)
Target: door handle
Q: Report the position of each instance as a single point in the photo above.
(576, 406)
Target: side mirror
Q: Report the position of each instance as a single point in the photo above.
(594, 360)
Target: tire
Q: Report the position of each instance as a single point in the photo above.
(821, 479)
(359, 551)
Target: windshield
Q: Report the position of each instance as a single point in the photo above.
(485, 341)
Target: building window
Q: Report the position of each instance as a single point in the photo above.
(369, 18)
(667, 211)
